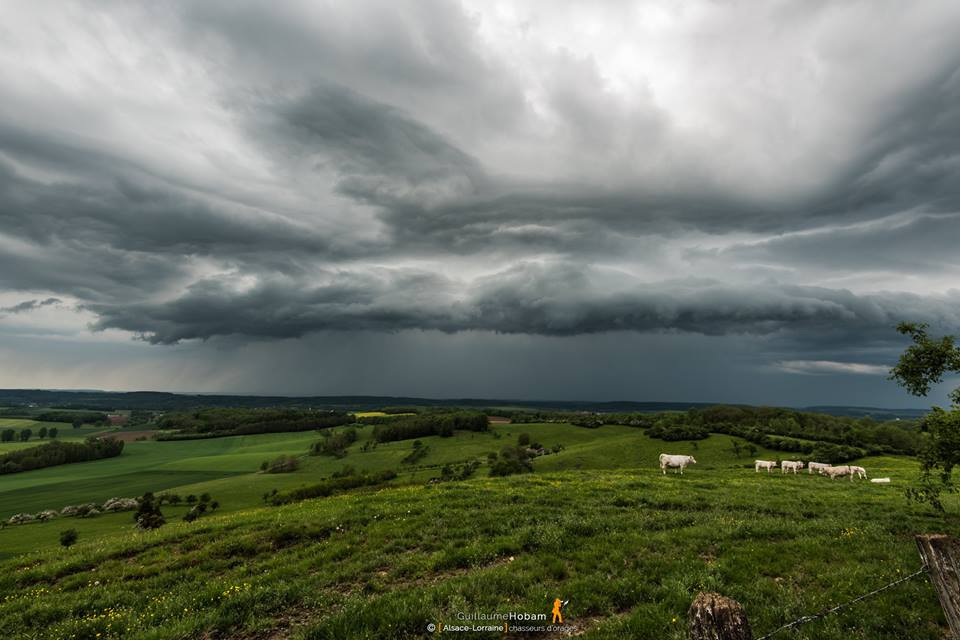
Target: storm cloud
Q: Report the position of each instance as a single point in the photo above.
(242, 172)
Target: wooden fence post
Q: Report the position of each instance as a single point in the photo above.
(716, 617)
(941, 554)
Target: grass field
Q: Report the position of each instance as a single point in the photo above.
(596, 524)
(64, 432)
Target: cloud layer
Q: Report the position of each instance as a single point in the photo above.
(244, 171)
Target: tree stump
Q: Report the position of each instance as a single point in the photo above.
(941, 555)
(716, 617)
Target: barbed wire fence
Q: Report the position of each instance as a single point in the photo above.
(827, 612)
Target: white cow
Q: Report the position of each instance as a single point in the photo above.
(790, 465)
(763, 464)
(816, 466)
(835, 472)
(860, 471)
(667, 460)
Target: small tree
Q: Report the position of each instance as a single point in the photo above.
(53, 432)
(191, 499)
(68, 538)
(42, 433)
(523, 439)
(205, 497)
(922, 365)
(7, 435)
(25, 435)
(148, 515)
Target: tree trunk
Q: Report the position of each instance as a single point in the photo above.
(716, 617)
(941, 554)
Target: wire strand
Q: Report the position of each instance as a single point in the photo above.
(826, 612)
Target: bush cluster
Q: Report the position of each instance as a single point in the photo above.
(214, 423)
(56, 453)
(281, 464)
(330, 486)
(334, 444)
(430, 424)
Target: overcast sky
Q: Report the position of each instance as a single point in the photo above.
(704, 201)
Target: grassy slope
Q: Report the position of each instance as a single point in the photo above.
(627, 548)
(225, 468)
(597, 524)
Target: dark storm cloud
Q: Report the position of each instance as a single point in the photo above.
(273, 171)
(383, 156)
(553, 300)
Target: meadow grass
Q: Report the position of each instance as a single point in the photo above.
(597, 524)
(628, 548)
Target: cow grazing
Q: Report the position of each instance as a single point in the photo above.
(859, 471)
(835, 472)
(790, 465)
(679, 462)
(764, 464)
(816, 466)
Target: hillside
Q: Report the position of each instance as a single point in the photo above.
(596, 523)
(627, 548)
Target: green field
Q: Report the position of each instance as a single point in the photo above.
(65, 432)
(597, 523)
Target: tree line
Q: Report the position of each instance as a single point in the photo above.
(56, 453)
(836, 437)
(24, 435)
(219, 422)
(430, 424)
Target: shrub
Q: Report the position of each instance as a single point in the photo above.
(68, 538)
(148, 515)
(334, 444)
(124, 504)
(512, 460)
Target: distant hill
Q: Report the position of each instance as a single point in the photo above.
(162, 401)
(868, 412)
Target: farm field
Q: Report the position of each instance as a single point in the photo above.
(596, 523)
(66, 432)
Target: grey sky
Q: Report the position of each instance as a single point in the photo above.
(639, 200)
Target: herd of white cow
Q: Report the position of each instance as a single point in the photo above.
(681, 462)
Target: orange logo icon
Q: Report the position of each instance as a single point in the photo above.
(557, 605)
